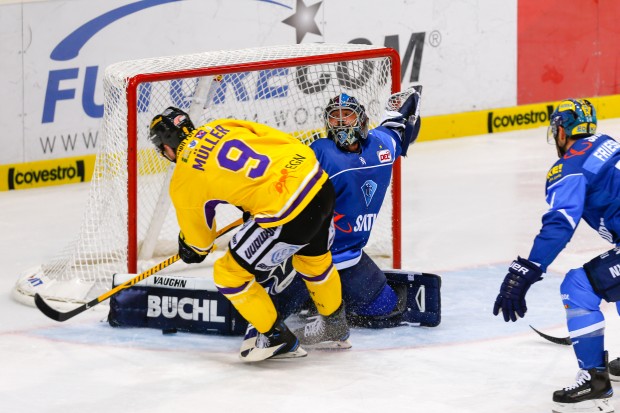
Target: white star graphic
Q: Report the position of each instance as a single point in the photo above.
(303, 20)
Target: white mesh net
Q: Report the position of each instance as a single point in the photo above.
(286, 87)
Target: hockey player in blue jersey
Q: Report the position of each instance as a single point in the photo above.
(359, 163)
(583, 184)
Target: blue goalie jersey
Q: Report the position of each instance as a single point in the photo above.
(361, 181)
(584, 183)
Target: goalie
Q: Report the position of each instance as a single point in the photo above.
(359, 163)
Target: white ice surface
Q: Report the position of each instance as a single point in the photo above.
(471, 205)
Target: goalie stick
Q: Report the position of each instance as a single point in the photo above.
(63, 316)
(565, 341)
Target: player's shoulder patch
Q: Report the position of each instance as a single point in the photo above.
(384, 155)
(555, 173)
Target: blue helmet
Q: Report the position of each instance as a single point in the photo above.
(338, 128)
(576, 116)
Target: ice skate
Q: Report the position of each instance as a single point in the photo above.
(326, 333)
(591, 393)
(277, 343)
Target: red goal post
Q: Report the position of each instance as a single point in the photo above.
(129, 222)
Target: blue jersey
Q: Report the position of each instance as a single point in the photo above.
(361, 181)
(584, 183)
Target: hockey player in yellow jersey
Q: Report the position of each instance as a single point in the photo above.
(277, 181)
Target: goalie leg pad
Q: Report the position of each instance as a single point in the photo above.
(173, 303)
(419, 302)
(423, 296)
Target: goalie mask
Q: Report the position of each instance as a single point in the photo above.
(576, 116)
(345, 120)
(170, 128)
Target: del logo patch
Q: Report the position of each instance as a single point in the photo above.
(384, 156)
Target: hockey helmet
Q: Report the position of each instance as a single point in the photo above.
(171, 127)
(576, 116)
(345, 119)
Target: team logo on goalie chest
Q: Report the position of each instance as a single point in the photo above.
(384, 156)
(368, 189)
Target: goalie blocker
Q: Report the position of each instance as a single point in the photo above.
(188, 304)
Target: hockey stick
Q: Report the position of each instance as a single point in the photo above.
(565, 341)
(63, 316)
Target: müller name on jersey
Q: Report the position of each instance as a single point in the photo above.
(203, 151)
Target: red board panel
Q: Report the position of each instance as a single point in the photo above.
(567, 48)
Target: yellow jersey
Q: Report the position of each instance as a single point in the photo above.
(258, 168)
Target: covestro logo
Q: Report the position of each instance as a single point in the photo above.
(46, 173)
(518, 118)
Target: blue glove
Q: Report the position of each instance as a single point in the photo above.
(398, 114)
(521, 275)
(404, 118)
(411, 108)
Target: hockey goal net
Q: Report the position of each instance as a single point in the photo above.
(129, 223)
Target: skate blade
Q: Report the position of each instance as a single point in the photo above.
(588, 406)
(330, 345)
(300, 352)
(259, 354)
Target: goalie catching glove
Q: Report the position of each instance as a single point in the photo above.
(521, 275)
(404, 118)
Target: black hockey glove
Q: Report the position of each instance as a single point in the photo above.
(521, 275)
(187, 253)
(246, 216)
